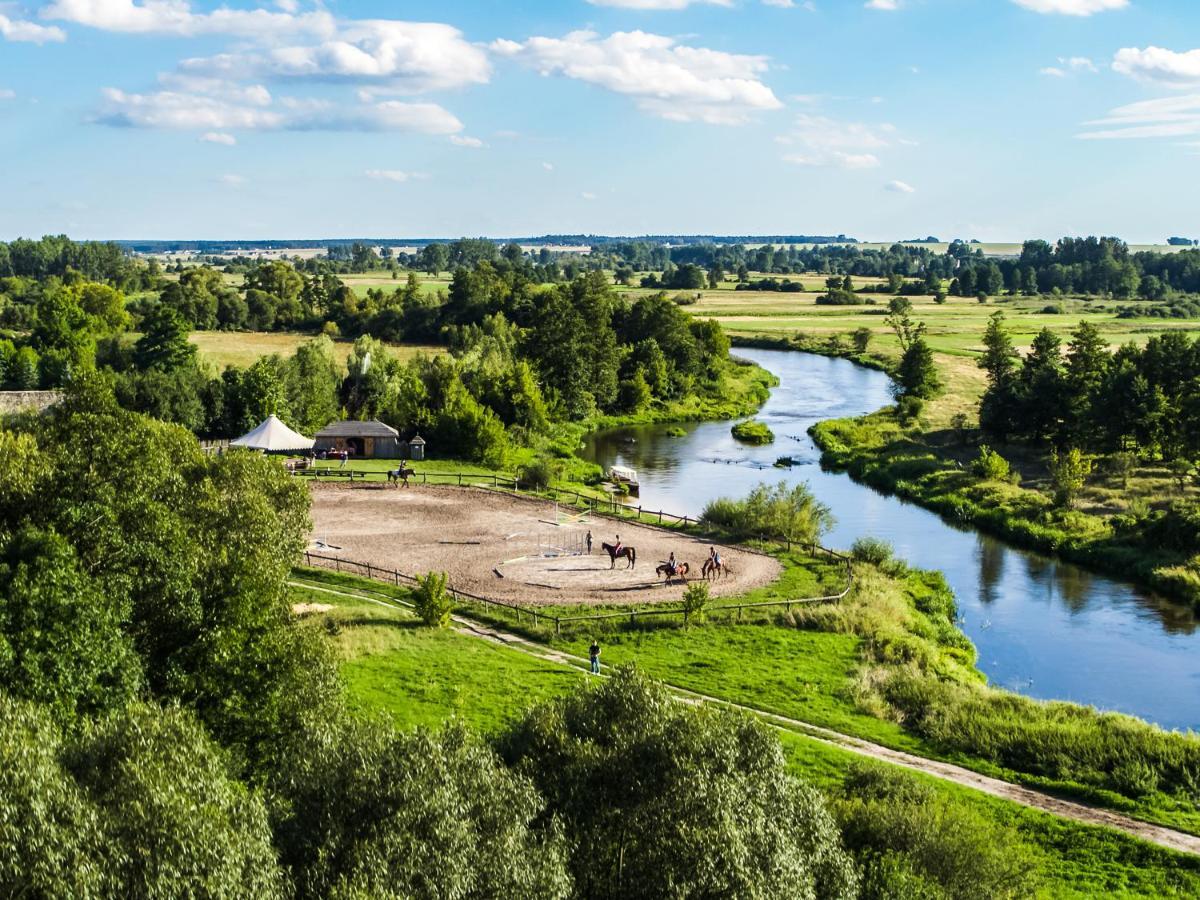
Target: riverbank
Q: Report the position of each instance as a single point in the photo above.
(928, 462)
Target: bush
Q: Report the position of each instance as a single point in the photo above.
(753, 432)
(784, 512)
(540, 473)
(695, 599)
(873, 551)
(432, 600)
(990, 465)
(676, 431)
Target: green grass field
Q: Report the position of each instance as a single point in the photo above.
(420, 677)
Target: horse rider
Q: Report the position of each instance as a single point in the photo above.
(714, 557)
(617, 548)
(672, 566)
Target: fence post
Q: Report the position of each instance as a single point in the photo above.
(558, 626)
(338, 562)
(369, 572)
(535, 620)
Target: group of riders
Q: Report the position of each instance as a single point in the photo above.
(671, 568)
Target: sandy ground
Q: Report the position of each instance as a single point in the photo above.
(475, 534)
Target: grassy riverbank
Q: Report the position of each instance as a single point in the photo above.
(419, 676)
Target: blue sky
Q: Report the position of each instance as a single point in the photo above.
(886, 119)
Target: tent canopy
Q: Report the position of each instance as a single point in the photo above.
(272, 436)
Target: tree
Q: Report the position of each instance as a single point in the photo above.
(917, 374)
(659, 798)
(368, 812)
(164, 343)
(1042, 387)
(434, 258)
(695, 600)
(862, 339)
(999, 408)
(313, 382)
(1068, 474)
(1087, 364)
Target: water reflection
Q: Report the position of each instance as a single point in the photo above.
(1042, 627)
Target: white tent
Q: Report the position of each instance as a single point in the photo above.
(272, 436)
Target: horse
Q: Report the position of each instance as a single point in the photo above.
(627, 553)
(681, 571)
(713, 569)
(401, 474)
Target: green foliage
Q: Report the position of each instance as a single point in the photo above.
(366, 812)
(913, 843)
(695, 600)
(164, 343)
(540, 473)
(433, 601)
(1069, 471)
(784, 512)
(991, 465)
(753, 432)
(917, 374)
(873, 551)
(663, 799)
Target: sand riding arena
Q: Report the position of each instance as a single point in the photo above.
(512, 548)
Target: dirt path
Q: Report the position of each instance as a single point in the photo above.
(1068, 809)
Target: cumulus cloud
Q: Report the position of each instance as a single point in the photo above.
(1166, 117)
(1071, 7)
(887, 5)
(29, 32)
(395, 175)
(1068, 65)
(822, 141)
(218, 137)
(1168, 67)
(403, 56)
(176, 17)
(899, 187)
(216, 113)
(666, 79)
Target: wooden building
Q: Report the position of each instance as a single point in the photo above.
(362, 440)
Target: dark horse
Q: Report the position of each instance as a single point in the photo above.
(402, 474)
(628, 553)
(680, 572)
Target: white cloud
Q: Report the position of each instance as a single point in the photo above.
(199, 112)
(1071, 7)
(667, 79)
(1166, 117)
(218, 137)
(1156, 64)
(232, 180)
(900, 187)
(658, 4)
(401, 56)
(395, 175)
(460, 141)
(588, 195)
(1053, 72)
(549, 167)
(176, 17)
(888, 5)
(1068, 65)
(822, 141)
(29, 32)
(782, 4)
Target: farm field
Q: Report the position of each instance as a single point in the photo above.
(243, 348)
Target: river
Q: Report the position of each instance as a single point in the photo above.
(1043, 627)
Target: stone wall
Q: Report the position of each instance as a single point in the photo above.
(19, 401)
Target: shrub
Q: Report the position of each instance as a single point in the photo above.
(676, 431)
(1068, 473)
(862, 339)
(753, 432)
(908, 409)
(432, 600)
(873, 551)
(540, 473)
(990, 465)
(695, 599)
(789, 513)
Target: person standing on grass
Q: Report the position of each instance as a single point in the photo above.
(594, 656)
(345, 459)
(589, 542)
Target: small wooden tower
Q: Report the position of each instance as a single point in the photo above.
(416, 448)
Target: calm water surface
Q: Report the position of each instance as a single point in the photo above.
(1043, 627)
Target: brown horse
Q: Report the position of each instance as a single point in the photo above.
(626, 553)
(681, 572)
(713, 569)
(402, 474)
